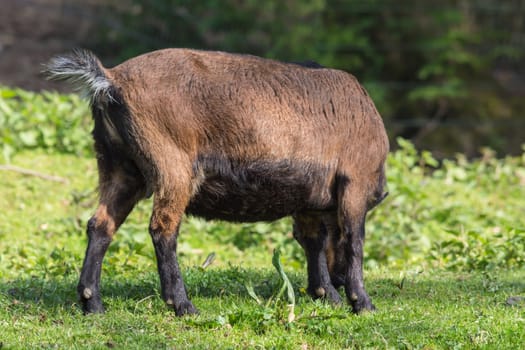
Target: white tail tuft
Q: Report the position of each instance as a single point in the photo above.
(83, 69)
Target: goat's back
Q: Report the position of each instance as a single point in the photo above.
(250, 105)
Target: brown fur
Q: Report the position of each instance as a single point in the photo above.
(240, 138)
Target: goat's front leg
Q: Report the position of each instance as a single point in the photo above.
(312, 236)
(164, 229)
(335, 250)
(352, 211)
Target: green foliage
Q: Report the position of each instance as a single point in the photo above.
(475, 250)
(456, 214)
(45, 120)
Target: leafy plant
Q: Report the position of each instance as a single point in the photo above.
(48, 121)
(455, 205)
(477, 250)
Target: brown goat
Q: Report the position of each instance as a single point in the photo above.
(238, 138)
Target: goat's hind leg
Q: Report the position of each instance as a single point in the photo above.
(168, 209)
(119, 192)
(312, 235)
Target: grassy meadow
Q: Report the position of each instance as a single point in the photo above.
(445, 256)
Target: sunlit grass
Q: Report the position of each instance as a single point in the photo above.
(43, 241)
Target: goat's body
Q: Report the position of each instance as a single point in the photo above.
(232, 137)
(244, 191)
(275, 110)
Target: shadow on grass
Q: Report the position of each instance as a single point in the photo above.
(60, 291)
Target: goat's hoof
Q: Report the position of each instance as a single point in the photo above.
(92, 306)
(185, 308)
(361, 304)
(328, 293)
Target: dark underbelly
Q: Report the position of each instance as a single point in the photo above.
(260, 191)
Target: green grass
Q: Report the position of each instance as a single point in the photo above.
(444, 257)
(43, 241)
(431, 310)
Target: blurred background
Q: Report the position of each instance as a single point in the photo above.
(447, 74)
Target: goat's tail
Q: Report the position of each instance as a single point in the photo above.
(84, 70)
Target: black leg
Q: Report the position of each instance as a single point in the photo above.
(88, 286)
(172, 285)
(353, 210)
(335, 250)
(164, 229)
(118, 196)
(311, 235)
(354, 285)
